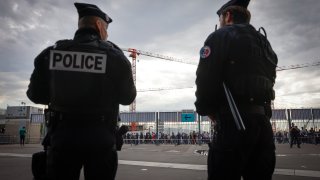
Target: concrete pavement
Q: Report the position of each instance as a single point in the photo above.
(168, 162)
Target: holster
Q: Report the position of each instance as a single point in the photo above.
(39, 159)
(119, 136)
(39, 166)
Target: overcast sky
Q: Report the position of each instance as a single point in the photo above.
(175, 28)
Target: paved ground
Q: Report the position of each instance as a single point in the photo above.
(168, 162)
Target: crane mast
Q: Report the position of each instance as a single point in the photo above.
(133, 55)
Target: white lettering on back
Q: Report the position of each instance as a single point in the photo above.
(78, 61)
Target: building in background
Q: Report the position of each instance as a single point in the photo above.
(2, 111)
(2, 120)
(16, 117)
(22, 112)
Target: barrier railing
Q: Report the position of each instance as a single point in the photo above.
(166, 141)
(10, 139)
(314, 139)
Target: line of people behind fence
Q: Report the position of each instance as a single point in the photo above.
(298, 136)
(166, 138)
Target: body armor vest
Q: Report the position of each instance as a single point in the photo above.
(84, 86)
(251, 66)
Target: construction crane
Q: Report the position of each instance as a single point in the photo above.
(134, 53)
(297, 66)
(163, 89)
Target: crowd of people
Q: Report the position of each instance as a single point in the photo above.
(298, 136)
(166, 138)
(293, 136)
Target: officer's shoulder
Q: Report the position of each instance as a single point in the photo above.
(59, 43)
(111, 47)
(64, 43)
(46, 50)
(229, 29)
(221, 32)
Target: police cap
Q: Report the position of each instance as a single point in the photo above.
(91, 10)
(243, 3)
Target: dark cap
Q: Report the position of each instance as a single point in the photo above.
(243, 3)
(91, 10)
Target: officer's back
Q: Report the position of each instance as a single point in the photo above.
(82, 81)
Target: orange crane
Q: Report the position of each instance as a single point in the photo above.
(297, 66)
(134, 53)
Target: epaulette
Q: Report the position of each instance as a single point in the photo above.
(114, 45)
(110, 45)
(63, 44)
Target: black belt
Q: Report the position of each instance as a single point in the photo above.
(247, 109)
(61, 116)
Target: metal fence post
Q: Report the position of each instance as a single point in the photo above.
(312, 118)
(289, 123)
(289, 118)
(199, 127)
(157, 123)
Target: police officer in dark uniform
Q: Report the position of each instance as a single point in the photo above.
(83, 81)
(240, 57)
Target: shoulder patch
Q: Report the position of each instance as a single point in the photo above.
(205, 52)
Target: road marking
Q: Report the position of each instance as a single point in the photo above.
(290, 172)
(137, 148)
(281, 155)
(314, 154)
(164, 165)
(16, 155)
(296, 172)
(172, 151)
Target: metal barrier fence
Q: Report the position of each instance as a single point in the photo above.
(7, 139)
(12, 139)
(189, 121)
(303, 118)
(166, 141)
(310, 138)
(183, 122)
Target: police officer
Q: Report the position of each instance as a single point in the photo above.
(83, 81)
(240, 57)
(294, 135)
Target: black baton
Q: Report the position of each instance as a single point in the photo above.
(234, 110)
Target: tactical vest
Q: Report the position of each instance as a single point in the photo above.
(80, 82)
(251, 66)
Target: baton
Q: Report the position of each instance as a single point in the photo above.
(234, 110)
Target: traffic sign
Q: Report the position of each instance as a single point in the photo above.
(187, 117)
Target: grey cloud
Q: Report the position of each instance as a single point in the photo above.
(145, 24)
(12, 87)
(174, 28)
(290, 25)
(171, 100)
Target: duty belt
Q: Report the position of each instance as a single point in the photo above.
(247, 109)
(81, 117)
(71, 117)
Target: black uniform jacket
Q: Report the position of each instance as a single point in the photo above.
(216, 56)
(118, 75)
(210, 72)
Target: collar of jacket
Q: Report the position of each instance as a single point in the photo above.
(87, 34)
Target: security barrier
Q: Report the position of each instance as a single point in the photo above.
(184, 127)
